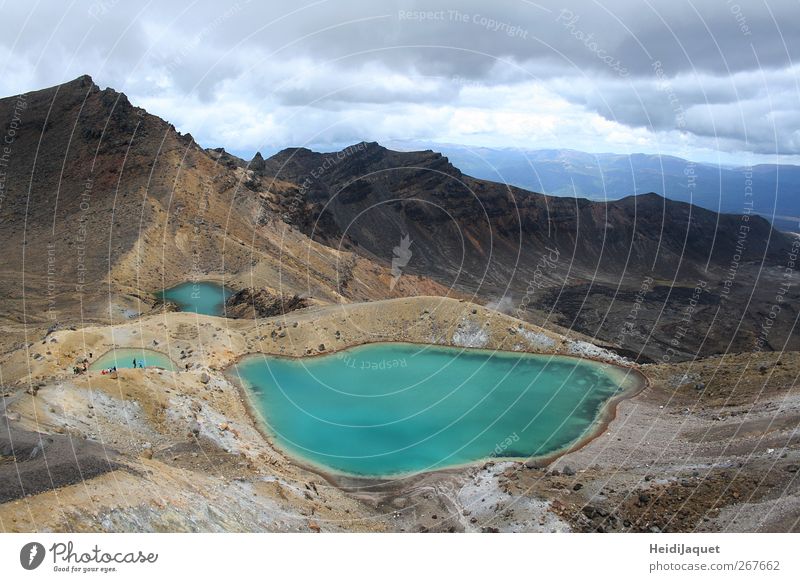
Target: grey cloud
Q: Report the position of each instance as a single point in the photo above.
(719, 59)
(455, 38)
(745, 107)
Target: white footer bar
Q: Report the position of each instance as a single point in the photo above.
(354, 557)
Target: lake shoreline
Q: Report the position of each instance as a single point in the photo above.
(133, 352)
(198, 300)
(396, 482)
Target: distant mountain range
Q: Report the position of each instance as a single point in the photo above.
(775, 188)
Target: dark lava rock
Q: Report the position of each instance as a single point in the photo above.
(249, 303)
(34, 463)
(568, 471)
(593, 512)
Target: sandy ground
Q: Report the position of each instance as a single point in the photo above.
(188, 456)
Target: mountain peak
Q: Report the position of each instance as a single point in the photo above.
(83, 81)
(370, 145)
(257, 164)
(82, 84)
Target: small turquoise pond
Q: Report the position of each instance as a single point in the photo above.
(389, 409)
(201, 297)
(123, 358)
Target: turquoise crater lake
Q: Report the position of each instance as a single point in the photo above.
(203, 297)
(124, 358)
(389, 409)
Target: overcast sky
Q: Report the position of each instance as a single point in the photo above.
(703, 79)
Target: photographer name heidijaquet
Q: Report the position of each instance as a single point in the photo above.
(683, 549)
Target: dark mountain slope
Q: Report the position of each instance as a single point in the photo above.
(770, 190)
(493, 240)
(104, 203)
(101, 192)
(370, 196)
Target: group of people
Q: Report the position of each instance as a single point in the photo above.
(82, 367)
(111, 370)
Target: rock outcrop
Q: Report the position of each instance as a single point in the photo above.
(252, 303)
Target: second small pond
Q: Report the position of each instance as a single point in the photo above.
(203, 297)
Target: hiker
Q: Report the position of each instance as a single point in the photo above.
(134, 362)
(141, 364)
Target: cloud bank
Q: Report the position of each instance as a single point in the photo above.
(702, 79)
